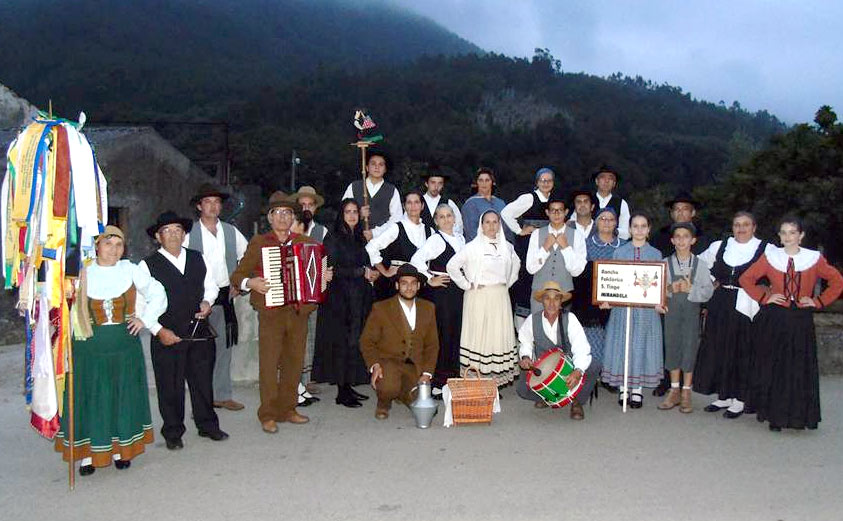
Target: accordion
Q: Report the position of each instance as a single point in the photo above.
(296, 274)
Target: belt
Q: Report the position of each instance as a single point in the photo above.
(729, 286)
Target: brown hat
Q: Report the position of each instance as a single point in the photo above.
(111, 231)
(209, 190)
(169, 217)
(551, 285)
(279, 199)
(308, 191)
(408, 270)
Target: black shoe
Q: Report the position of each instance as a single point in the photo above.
(620, 399)
(773, 428)
(307, 402)
(349, 401)
(748, 410)
(217, 435)
(86, 470)
(122, 464)
(661, 388)
(636, 404)
(358, 396)
(713, 408)
(175, 444)
(729, 415)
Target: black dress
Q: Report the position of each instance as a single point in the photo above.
(448, 302)
(725, 358)
(337, 358)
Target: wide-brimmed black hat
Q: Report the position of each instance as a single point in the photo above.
(433, 170)
(556, 196)
(606, 168)
(169, 217)
(683, 197)
(582, 191)
(209, 190)
(408, 270)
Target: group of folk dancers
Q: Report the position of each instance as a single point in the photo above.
(420, 287)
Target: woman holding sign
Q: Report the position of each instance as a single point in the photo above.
(646, 358)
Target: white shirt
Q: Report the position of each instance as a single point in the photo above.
(211, 290)
(395, 209)
(585, 231)
(432, 248)
(623, 218)
(575, 255)
(409, 312)
(517, 208)
(415, 232)
(213, 247)
(433, 202)
(735, 254)
(108, 282)
(580, 348)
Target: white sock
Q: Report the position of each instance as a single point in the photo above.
(722, 403)
(737, 406)
(87, 461)
(686, 387)
(637, 394)
(115, 457)
(674, 385)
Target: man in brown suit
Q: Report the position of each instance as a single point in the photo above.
(281, 330)
(400, 342)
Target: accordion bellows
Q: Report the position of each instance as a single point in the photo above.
(296, 274)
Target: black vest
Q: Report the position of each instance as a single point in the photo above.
(402, 248)
(614, 202)
(184, 292)
(427, 211)
(378, 205)
(536, 215)
(439, 263)
(728, 275)
(542, 344)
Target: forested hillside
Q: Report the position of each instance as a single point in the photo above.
(147, 58)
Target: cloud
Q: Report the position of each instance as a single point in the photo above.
(783, 56)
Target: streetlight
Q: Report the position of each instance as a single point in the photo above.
(294, 160)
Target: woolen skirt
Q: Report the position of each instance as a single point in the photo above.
(724, 359)
(487, 340)
(785, 381)
(111, 398)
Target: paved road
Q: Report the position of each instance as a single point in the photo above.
(645, 465)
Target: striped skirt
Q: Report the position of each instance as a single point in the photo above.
(487, 339)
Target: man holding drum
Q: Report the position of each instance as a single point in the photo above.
(541, 332)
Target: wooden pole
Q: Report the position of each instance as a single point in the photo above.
(626, 357)
(70, 412)
(363, 145)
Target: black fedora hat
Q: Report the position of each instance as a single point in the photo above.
(582, 191)
(408, 270)
(683, 197)
(209, 190)
(606, 168)
(169, 217)
(434, 170)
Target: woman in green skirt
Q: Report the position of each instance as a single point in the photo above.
(111, 397)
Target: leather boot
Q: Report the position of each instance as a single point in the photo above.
(671, 400)
(685, 404)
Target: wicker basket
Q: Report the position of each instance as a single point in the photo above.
(472, 398)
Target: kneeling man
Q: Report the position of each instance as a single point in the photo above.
(541, 332)
(400, 343)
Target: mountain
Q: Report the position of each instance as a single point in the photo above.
(514, 115)
(144, 58)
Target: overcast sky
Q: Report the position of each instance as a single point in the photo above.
(785, 56)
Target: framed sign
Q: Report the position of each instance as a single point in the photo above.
(629, 283)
